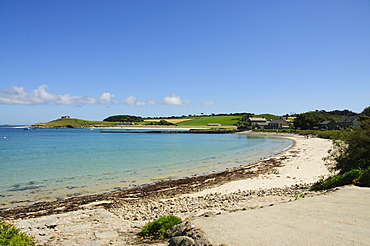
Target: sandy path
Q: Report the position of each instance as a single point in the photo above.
(340, 218)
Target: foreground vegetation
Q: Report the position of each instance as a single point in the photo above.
(355, 176)
(11, 236)
(157, 228)
(350, 157)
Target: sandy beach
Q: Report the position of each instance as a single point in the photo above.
(279, 179)
(301, 164)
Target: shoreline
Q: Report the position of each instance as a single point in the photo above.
(77, 188)
(254, 175)
(302, 163)
(117, 217)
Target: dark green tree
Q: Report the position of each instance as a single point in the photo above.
(161, 122)
(124, 118)
(309, 120)
(366, 112)
(242, 123)
(351, 149)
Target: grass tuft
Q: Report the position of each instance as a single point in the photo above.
(157, 228)
(11, 236)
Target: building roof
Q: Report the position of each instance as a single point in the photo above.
(257, 119)
(277, 121)
(326, 122)
(347, 119)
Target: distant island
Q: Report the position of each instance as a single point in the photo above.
(312, 120)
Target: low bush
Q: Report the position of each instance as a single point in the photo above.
(284, 130)
(161, 123)
(11, 236)
(328, 134)
(157, 228)
(355, 176)
(363, 179)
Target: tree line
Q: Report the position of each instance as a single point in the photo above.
(124, 118)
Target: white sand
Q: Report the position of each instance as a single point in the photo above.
(339, 218)
(304, 164)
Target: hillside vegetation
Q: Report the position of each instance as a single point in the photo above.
(224, 120)
(73, 123)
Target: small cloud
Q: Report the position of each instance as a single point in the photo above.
(131, 100)
(175, 100)
(209, 103)
(141, 103)
(105, 98)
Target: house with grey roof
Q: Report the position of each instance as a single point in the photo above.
(348, 121)
(257, 122)
(328, 125)
(278, 124)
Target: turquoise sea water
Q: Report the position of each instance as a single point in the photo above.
(47, 164)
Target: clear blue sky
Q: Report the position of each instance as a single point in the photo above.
(92, 59)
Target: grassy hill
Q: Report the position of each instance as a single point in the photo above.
(73, 123)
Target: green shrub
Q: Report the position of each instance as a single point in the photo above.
(161, 122)
(351, 149)
(337, 180)
(328, 134)
(157, 228)
(364, 178)
(11, 236)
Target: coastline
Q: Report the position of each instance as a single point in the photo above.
(176, 164)
(300, 164)
(274, 180)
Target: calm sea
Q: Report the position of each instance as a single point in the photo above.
(47, 164)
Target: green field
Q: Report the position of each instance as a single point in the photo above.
(205, 120)
(228, 120)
